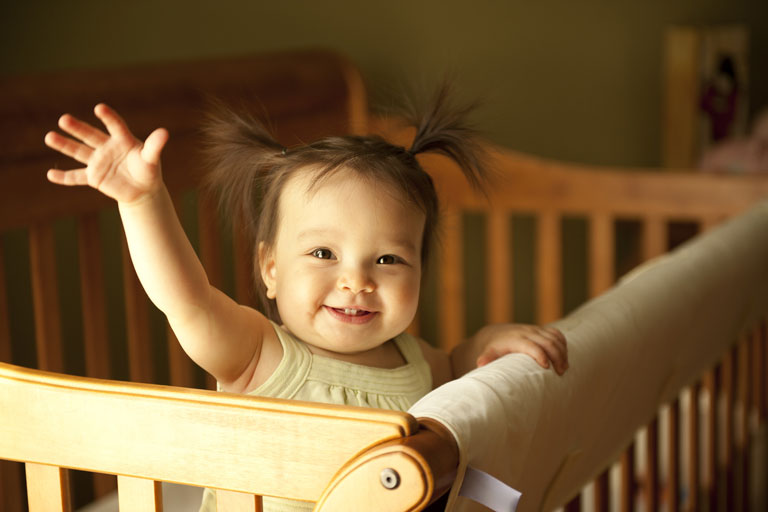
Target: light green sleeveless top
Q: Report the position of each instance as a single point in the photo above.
(302, 375)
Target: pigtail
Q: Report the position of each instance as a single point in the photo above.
(442, 127)
(239, 151)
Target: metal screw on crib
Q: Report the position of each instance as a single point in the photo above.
(389, 478)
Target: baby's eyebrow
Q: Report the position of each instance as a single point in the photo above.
(316, 232)
(406, 245)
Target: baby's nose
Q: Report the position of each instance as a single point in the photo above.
(356, 280)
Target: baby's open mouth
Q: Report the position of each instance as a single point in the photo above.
(351, 315)
(352, 312)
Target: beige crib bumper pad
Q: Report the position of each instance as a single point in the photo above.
(630, 350)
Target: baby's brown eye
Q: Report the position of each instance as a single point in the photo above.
(323, 254)
(387, 259)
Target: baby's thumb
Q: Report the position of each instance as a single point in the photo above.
(487, 356)
(154, 145)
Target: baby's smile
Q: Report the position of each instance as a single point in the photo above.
(351, 315)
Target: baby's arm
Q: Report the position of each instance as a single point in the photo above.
(546, 345)
(217, 333)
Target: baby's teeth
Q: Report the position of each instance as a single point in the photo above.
(348, 311)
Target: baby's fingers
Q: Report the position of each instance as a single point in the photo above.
(69, 178)
(558, 338)
(556, 351)
(154, 145)
(68, 147)
(91, 136)
(531, 349)
(113, 122)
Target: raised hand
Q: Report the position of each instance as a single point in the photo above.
(116, 163)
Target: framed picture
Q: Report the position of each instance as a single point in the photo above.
(706, 93)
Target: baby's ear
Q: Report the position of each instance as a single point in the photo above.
(267, 269)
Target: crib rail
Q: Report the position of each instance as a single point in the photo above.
(244, 445)
(696, 455)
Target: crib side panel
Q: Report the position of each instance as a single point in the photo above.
(201, 438)
(689, 456)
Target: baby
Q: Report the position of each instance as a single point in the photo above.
(341, 230)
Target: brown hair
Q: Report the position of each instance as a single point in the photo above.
(249, 168)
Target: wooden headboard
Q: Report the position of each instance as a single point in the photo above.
(305, 95)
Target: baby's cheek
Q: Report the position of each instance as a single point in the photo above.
(408, 299)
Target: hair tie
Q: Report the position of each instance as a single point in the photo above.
(284, 151)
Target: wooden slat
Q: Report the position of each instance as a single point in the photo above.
(759, 373)
(47, 488)
(673, 457)
(93, 297)
(707, 497)
(451, 309)
(755, 416)
(654, 237)
(628, 480)
(549, 293)
(601, 270)
(653, 244)
(727, 376)
(692, 441)
(601, 253)
(710, 483)
(498, 273)
(139, 495)
(140, 357)
(651, 489)
(11, 483)
(45, 298)
(228, 501)
(602, 491)
(742, 413)
(95, 337)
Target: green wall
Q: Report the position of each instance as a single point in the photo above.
(578, 81)
(572, 80)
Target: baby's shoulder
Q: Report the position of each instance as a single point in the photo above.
(439, 363)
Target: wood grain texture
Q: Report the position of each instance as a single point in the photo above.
(139, 495)
(47, 488)
(245, 444)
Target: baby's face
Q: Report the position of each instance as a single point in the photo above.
(345, 269)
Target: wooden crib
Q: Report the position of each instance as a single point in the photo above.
(549, 236)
